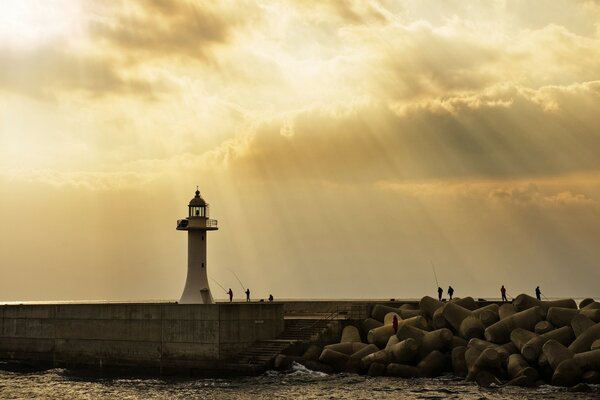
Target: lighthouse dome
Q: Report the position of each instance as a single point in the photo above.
(197, 201)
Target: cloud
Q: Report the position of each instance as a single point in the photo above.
(507, 132)
(144, 30)
(49, 70)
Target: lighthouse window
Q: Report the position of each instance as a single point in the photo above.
(198, 211)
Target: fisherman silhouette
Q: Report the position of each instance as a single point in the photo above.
(538, 293)
(270, 297)
(450, 292)
(395, 323)
(230, 293)
(248, 294)
(440, 293)
(503, 291)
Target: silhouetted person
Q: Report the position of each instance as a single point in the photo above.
(248, 294)
(450, 292)
(395, 323)
(503, 291)
(230, 293)
(538, 293)
(270, 297)
(440, 293)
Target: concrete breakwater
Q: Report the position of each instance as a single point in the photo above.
(524, 343)
(159, 338)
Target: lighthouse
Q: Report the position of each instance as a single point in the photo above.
(197, 225)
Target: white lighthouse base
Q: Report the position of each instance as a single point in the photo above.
(199, 296)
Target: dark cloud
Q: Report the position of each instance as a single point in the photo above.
(50, 69)
(507, 134)
(174, 29)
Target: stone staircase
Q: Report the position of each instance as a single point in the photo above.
(297, 333)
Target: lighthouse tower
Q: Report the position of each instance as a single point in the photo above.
(197, 224)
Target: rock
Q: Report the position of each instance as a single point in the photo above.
(487, 379)
(376, 369)
(365, 351)
(350, 334)
(380, 336)
(585, 302)
(407, 331)
(506, 310)
(391, 341)
(459, 365)
(379, 311)
(568, 373)
(521, 336)
(382, 356)
(405, 314)
(429, 305)
(581, 323)
(594, 305)
(312, 353)
(543, 327)
(500, 331)
(592, 377)
(589, 360)
(523, 302)
(345, 348)
(439, 340)
(517, 366)
(402, 371)
(595, 345)
(463, 321)
(560, 316)
(556, 353)
(466, 302)
(457, 342)
(584, 341)
(533, 348)
(405, 351)
(488, 314)
(580, 388)
(369, 324)
(438, 321)
(418, 322)
(432, 365)
(334, 358)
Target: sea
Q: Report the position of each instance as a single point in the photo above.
(298, 383)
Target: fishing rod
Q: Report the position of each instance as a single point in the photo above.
(221, 286)
(434, 274)
(238, 279)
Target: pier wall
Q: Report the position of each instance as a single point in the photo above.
(135, 334)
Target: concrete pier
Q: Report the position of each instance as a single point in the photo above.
(157, 337)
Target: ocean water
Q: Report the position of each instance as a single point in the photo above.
(300, 383)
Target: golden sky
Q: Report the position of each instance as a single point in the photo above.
(343, 146)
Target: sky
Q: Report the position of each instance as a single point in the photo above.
(347, 148)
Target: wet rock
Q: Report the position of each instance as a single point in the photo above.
(376, 369)
(402, 371)
(350, 334)
(500, 331)
(543, 327)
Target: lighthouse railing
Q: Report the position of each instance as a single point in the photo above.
(212, 223)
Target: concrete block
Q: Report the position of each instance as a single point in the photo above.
(402, 371)
(580, 323)
(533, 348)
(543, 327)
(428, 305)
(432, 365)
(459, 365)
(500, 331)
(350, 334)
(506, 310)
(521, 336)
(106, 329)
(584, 341)
(405, 351)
